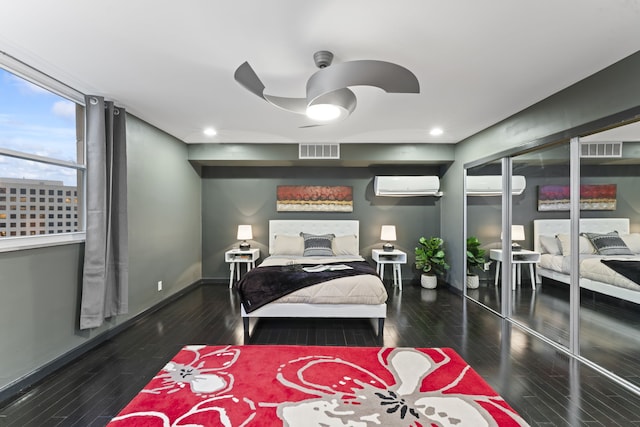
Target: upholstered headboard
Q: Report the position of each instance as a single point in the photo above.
(589, 225)
(295, 226)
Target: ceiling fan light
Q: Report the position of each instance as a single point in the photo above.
(325, 112)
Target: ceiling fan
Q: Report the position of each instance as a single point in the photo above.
(328, 97)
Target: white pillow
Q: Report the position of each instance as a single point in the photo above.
(585, 245)
(550, 244)
(632, 241)
(345, 245)
(287, 245)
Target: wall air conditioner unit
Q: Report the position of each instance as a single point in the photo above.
(491, 185)
(406, 186)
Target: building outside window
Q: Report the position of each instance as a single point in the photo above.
(41, 153)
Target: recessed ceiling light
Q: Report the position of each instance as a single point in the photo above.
(436, 132)
(210, 132)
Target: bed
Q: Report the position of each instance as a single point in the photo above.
(355, 296)
(551, 240)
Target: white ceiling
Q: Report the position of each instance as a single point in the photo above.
(171, 63)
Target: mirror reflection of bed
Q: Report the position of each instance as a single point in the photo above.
(313, 252)
(551, 239)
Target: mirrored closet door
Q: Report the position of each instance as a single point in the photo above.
(541, 305)
(573, 273)
(609, 328)
(484, 226)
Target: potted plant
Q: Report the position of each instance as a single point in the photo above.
(430, 258)
(475, 260)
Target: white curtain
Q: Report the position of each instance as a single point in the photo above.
(105, 286)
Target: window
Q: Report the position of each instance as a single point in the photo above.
(41, 152)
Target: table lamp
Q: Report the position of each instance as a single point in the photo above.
(244, 233)
(517, 234)
(388, 233)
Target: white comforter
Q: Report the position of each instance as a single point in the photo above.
(361, 289)
(591, 268)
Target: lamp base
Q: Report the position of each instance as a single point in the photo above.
(388, 247)
(515, 247)
(244, 246)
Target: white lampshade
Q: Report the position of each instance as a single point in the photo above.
(388, 233)
(517, 232)
(244, 232)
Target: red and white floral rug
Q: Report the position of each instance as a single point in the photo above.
(316, 386)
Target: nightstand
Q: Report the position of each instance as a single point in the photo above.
(523, 256)
(238, 256)
(395, 258)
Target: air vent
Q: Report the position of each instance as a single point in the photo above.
(600, 149)
(319, 151)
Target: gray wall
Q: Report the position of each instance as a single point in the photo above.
(613, 90)
(40, 287)
(247, 195)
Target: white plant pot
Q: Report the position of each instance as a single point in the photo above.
(473, 281)
(429, 281)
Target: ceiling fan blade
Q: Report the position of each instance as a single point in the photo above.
(390, 77)
(295, 105)
(249, 79)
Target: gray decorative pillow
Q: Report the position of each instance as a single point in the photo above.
(608, 244)
(317, 245)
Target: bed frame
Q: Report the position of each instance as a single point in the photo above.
(377, 313)
(590, 225)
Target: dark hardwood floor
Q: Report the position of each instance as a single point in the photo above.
(544, 385)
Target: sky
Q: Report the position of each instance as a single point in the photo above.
(35, 121)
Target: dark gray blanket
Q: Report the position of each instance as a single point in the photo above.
(628, 268)
(263, 285)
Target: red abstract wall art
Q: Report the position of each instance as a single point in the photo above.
(314, 198)
(593, 197)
